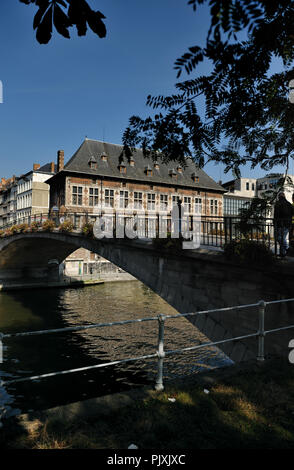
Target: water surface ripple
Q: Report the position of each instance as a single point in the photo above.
(57, 308)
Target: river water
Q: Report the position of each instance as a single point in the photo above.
(41, 309)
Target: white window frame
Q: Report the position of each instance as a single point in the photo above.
(164, 202)
(151, 201)
(94, 197)
(78, 194)
(109, 197)
(124, 199)
(138, 200)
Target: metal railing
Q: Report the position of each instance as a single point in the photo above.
(160, 354)
(210, 230)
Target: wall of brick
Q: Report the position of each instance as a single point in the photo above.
(131, 187)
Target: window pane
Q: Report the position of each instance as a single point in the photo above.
(163, 202)
(151, 202)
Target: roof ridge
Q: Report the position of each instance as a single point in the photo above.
(103, 142)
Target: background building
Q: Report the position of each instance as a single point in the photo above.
(8, 198)
(33, 192)
(83, 264)
(242, 190)
(239, 193)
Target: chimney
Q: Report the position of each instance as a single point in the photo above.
(60, 160)
(52, 167)
(36, 166)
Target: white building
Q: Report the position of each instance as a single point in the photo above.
(242, 190)
(33, 192)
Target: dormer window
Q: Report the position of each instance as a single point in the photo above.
(148, 170)
(104, 157)
(180, 169)
(195, 178)
(122, 167)
(92, 163)
(132, 162)
(156, 165)
(173, 173)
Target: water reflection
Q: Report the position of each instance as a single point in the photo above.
(57, 308)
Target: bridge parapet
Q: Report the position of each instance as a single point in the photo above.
(202, 230)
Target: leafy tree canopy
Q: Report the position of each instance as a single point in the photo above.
(63, 14)
(247, 114)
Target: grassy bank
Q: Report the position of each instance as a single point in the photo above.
(251, 408)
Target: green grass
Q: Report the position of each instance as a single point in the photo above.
(252, 409)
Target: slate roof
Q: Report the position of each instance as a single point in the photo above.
(46, 168)
(79, 163)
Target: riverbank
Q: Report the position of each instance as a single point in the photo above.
(12, 285)
(248, 406)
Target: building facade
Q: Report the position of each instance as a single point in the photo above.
(239, 193)
(83, 264)
(8, 200)
(32, 192)
(98, 178)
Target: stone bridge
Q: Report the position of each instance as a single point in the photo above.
(189, 280)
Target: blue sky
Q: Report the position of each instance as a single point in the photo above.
(56, 94)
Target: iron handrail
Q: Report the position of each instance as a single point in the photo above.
(122, 322)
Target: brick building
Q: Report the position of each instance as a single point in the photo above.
(98, 177)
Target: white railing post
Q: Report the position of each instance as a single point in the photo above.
(160, 353)
(1, 348)
(261, 334)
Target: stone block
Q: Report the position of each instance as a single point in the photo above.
(239, 352)
(199, 321)
(218, 332)
(208, 327)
